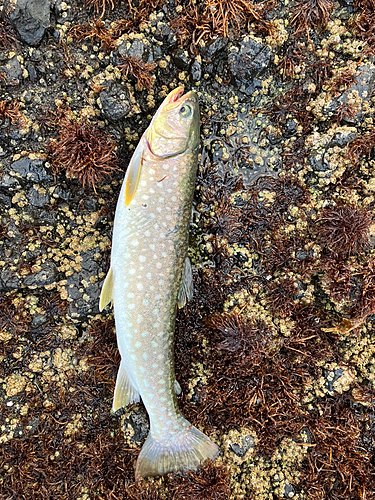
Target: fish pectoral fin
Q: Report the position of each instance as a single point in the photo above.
(133, 172)
(186, 291)
(106, 293)
(125, 392)
(177, 388)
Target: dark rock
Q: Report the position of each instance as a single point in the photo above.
(290, 128)
(29, 17)
(139, 423)
(180, 59)
(342, 138)
(32, 72)
(301, 254)
(248, 63)
(37, 199)
(331, 376)
(364, 85)
(5, 200)
(135, 48)
(288, 491)
(247, 442)
(9, 182)
(115, 102)
(38, 320)
(62, 192)
(196, 71)
(162, 31)
(12, 71)
(9, 280)
(31, 170)
(47, 275)
(215, 48)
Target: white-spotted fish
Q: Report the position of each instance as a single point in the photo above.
(150, 275)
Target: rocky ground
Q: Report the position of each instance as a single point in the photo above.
(276, 352)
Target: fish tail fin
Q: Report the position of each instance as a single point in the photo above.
(185, 450)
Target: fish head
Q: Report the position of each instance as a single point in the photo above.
(175, 127)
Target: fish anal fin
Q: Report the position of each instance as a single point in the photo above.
(177, 388)
(125, 392)
(186, 291)
(188, 449)
(133, 173)
(106, 293)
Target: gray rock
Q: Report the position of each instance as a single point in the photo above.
(180, 59)
(38, 320)
(37, 199)
(215, 48)
(114, 101)
(136, 48)
(364, 85)
(139, 423)
(9, 280)
(9, 182)
(46, 276)
(252, 59)
(247, 442)
(31, 18)
(12, 71)
(196, 71)
(331, 377)
(31, 170)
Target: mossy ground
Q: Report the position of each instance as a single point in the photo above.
(276, 352)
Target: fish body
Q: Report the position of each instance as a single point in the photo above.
(149, 275)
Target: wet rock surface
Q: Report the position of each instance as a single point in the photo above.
(275, 354)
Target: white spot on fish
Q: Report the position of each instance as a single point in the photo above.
(139, 286)
(131, 306)
(134, 243)
(143, 183)
(154, 344)
(130, 295)
(131, 271)
(148, 276)
(133, 357)
(139, 319)
(138, 344)
(145, 356)
(147, 233)
(144, 334)
(154, 365)
(159, 265)
(160, 391)
(142, 258)
(142, 369)
(151, 191)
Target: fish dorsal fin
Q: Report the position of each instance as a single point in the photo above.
(133, 172)
(106, 293)
(186, 291)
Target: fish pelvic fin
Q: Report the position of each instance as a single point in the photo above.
(185, 450)
(186, 291)
(106, 293)
(125, 392)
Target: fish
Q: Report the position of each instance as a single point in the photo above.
(150, 276)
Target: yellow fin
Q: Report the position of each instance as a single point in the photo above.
(106, 293)
(186, 291)
(132, 174)
(125, 393)
(188, 449)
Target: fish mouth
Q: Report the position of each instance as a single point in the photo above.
(177, 97)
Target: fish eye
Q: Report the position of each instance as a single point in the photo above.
(186, 111)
